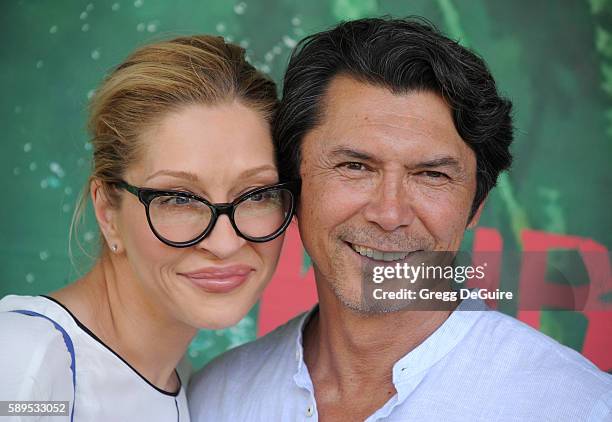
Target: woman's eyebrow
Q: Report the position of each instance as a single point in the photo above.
(256, 170)
(192, 177)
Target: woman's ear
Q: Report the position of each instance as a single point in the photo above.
(106, 215)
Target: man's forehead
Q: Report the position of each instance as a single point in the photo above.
(355, 112)
(349, 89)
(351, 103)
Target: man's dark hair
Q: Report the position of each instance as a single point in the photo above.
(401, 55)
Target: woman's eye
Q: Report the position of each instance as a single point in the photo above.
(177, 200)
(264, 196)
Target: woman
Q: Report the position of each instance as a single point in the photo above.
(191, 215)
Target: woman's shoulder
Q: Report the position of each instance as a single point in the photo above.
(21, 325)
(35, 314)
(30, 324)
(35, 358)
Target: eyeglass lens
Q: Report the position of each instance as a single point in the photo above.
(180, 219)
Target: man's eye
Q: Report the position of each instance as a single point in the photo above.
(434, 174)
(354, 166)
(434, 178)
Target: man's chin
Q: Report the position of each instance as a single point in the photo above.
(354, 297)
(373, 307)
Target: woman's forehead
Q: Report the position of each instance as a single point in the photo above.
(209, 142)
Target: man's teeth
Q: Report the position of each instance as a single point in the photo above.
(379, 255)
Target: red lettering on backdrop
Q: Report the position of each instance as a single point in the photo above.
(535, 292)
(487, 252)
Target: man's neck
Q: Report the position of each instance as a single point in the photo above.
(349, 354)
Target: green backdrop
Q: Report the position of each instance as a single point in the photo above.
(552, 58)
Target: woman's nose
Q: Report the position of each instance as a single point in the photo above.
(222, 241)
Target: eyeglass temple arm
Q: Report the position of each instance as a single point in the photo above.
(131, 189)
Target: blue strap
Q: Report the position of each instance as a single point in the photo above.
(69, 346)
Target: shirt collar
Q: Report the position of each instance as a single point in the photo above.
(411, 368)
(302, 377)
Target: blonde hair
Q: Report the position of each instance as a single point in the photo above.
(153, 81)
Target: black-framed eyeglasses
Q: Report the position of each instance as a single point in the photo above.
(182, 219)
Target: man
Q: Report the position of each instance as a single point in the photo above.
(397, 134)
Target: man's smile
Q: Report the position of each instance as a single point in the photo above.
(378, 254)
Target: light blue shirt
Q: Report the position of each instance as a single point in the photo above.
(480, 365)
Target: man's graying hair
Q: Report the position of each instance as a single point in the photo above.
(401, 55)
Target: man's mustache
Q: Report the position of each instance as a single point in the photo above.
(387, 241)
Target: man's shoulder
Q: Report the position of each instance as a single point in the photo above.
(526, 354)
(262, 363)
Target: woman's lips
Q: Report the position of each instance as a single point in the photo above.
(219, 279)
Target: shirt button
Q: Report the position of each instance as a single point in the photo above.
(309, 411)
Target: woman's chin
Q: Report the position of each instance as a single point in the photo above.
(221, 320)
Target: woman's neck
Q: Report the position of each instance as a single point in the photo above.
(117, 309)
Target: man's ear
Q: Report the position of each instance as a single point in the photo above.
(476, 217)
(105, 214)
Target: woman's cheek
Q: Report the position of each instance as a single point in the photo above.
(269, 253)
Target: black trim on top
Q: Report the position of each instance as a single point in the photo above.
(96, 338)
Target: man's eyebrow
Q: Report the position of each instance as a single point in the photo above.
(447, 161)
(444, 161)
(174, 173)
(348, 152)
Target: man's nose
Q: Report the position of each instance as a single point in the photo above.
(222, 241)
(390, 207)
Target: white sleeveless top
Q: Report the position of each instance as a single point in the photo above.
(46, 354)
